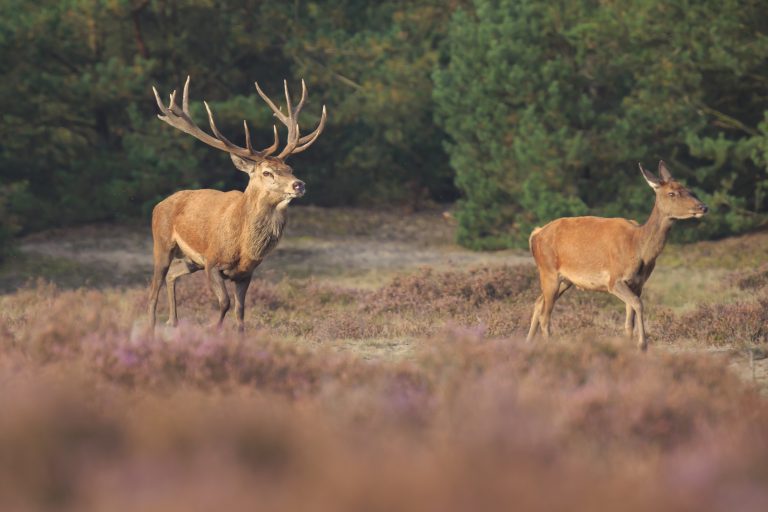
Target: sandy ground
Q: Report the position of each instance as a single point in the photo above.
(355, 247)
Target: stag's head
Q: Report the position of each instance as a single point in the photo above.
(673, 200)
(267, 173)
(271, 175)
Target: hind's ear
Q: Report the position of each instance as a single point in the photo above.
(245, 165)
(652, 180)
(664, 172)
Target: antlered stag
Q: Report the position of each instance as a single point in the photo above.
(227, 234)
(611, 255)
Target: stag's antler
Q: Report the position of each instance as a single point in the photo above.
(181, 119)
(295, 143)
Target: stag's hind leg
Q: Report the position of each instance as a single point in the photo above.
(162, 260)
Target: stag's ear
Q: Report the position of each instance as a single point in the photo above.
(243, 164)
(664, 172)
(652, 180)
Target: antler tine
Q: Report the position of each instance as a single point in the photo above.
(308, 140)
(320, 126)
(293, 140)
(269, 102)
(247, 137)
(265, 152)
(271, 149)
(216, 131)
(160, 104)
(301, 101)
(185, 97)
(288, 100)
(293, 125)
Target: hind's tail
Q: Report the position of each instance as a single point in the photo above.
(530, 238)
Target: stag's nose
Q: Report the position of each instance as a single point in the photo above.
(703, 208)
(299, 186)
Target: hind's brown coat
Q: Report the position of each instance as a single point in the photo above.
(611, 255)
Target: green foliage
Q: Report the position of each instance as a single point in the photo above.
(375, 60)
(530, 109)
(551, 106)
(79, 126)
(9, 224)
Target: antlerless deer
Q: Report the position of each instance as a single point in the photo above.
(227, 234)
(611, 255)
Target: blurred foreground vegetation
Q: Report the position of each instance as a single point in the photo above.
(419, 394)
(524, 110)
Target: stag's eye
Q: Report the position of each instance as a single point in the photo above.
(267, 174)
(672, 194)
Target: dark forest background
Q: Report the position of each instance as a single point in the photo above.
(518, 111)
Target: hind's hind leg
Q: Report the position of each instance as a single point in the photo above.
(538, 309)
(535, 318)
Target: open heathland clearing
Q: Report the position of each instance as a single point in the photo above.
(382, 367)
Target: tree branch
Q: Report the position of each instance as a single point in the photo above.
(726, 121)
(135, 12)
(338, 76)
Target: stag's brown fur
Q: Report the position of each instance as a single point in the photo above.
(610, 255)
(227, 234)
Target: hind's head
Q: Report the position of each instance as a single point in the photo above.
(673, 199)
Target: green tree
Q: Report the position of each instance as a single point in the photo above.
(79, 141)
(375, 61)
(551, 105)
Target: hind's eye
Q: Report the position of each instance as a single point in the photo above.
(267, 174)
(671, 194)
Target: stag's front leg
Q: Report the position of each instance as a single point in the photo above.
(178, 268)
(241, 288)
(219, 288)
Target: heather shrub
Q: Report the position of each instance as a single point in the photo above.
(52, 323)
(739, 324)
(754, 279)
(405, 307)
(449, 291)
(206, 358)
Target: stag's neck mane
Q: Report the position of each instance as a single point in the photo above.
(653, 235)
(263, 222)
